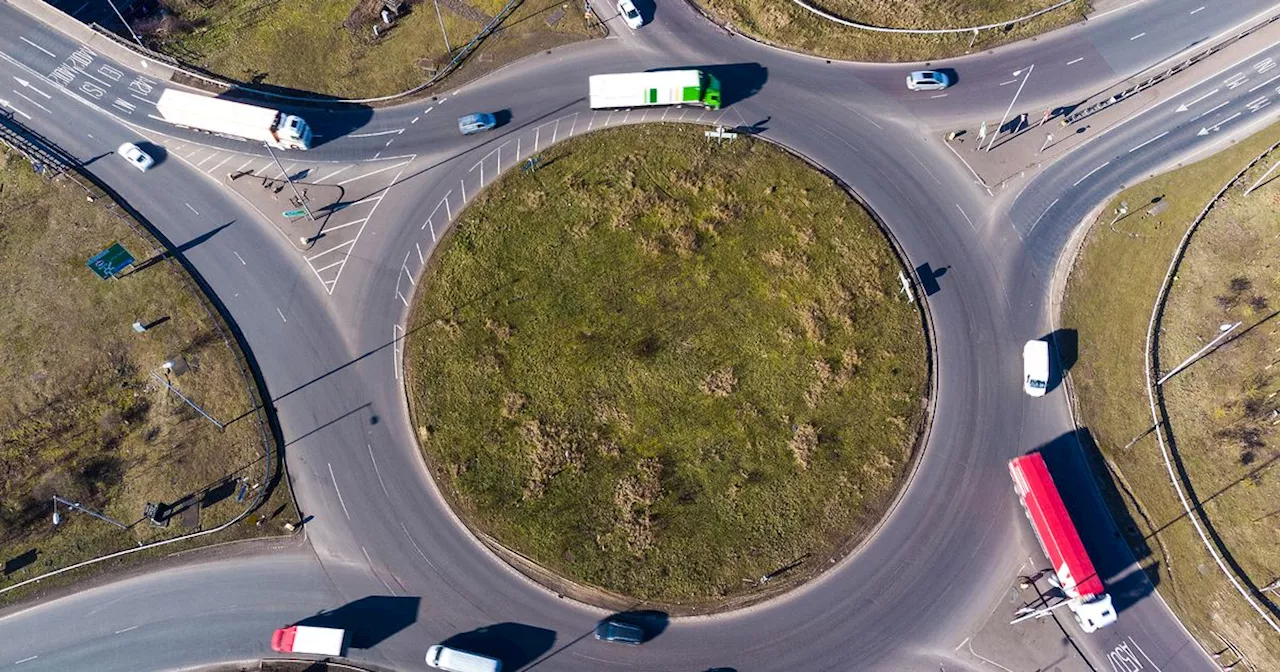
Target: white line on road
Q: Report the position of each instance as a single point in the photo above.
(402, 299)
(1144, 654)
(210, 171)
(27, 85)
(1037, 222)
(322, 269)
(242, 262)
(1264, 83)
(211, 155)
(377, 471)
(1086, 175)
(1136, 36)
(1197, 9)
(191, 208)
(335, 489)
(31, 658)
(380, 170)
(1074, 61)
(429, 109)
(1008, 82)
(132, 627)
(1149, 141)
(1220, 123)
(371, 135)
(464, 190)
(9, 105)
(247, 162)
(353, 222)
(389, 142)
(419, 253)
(281, 314)
(34, 102)
(415, 546)
(940, 95)
(966, 217)
(1215, 108)
(1183, 107)
(334, 173)
(37, 46)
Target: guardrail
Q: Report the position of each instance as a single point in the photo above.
(930, 31)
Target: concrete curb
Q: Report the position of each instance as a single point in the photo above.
(929, 31)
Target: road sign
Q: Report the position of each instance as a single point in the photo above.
(109, 262)
(294, 214)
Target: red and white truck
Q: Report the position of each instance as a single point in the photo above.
(1061, 543)
(310, 639)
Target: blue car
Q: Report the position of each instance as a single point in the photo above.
(475, 123)
(617, 631)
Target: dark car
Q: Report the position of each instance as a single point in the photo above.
(617, 631)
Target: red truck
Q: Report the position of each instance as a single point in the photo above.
(1061, 543)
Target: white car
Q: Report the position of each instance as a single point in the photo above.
(630, 14)
(135, 156)
(928, 80)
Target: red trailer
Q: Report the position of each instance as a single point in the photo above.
(1061, 542)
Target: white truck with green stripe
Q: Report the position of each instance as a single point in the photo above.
(646, 89)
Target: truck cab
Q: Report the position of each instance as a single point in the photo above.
(294, 132)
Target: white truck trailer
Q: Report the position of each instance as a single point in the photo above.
(237, 120)
(310, 639)
(645, 89)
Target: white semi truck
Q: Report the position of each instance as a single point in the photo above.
(646, 89)
(237, 120)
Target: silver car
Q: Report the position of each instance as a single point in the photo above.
(928, 80)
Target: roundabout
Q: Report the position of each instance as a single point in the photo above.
(914, 594)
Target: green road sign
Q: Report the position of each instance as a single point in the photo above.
(110, 261)
(294, 214)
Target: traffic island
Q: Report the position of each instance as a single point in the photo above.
(674, 369)
(132, 417)
(1216, 357)
(298, 210)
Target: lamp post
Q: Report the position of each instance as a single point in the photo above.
(57, 519)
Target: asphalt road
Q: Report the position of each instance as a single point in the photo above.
(324, 322)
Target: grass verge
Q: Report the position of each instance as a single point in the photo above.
(1218, 408)
(328, 46)
(82, 416)
(783, 23)
(667, 367)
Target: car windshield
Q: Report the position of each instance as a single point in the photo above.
(632, 13)
(1035, 384)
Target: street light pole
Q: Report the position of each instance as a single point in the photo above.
(169, 366)
(76, 505)
(288, 179)
(1120, 212)
(1010, 109)
(126, 24)
(1224, 329)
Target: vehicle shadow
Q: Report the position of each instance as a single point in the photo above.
(370, 620)
(514, 644)
(1065, 344)
(738, 81)
(648, 9)
(1110, 535)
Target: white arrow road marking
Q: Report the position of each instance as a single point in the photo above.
(1205, 131)
(5, 103)
(27, 84)
(1215, 108)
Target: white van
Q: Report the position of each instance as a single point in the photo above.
(1035, 368)
(453, 660)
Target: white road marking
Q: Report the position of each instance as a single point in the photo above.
(371, 135)
(940, 95)
(1258, 104)
(211, 155)
(1136, 36)
(28, 85)
(1215, 108)
(1197, 9)
(377, 471)
(34, 102)
(242, 262)
(1074, 61)
(1037, 222)
(961, 644)
(133, 627)
(380, 170)
(415, 546)
(1086, 175)
(125, 105)
(25, 660)
(966, 217)
(1012, 81)
(1149, 141)
(353, 222)
(1144, 655)
(191, 208)
(402, 299)
(415, 120)
(332, 249)
(1219, 124)
(210, 171)
(464, 190)
(325, 268)
(37, 46)
(1264, 83)
(9, 105)
(1185, 106)
(420, 260)
(335, 489)
(281, 314)
(134, 95)
(334, 173)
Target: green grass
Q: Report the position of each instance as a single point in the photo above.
(662, 366)
(81, 417)
(784, 23)
(315, 45)
(1218, 407)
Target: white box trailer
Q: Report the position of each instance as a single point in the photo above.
(310, 639)
(237, 120)
(645, 89)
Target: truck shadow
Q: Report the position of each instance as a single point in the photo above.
(369, 620)
(1096, 501)
(515, 644)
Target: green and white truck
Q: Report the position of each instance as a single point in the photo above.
(646, 89)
